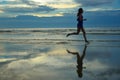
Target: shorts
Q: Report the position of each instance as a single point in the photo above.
(80, 25)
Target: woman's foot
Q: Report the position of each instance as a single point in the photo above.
(87, 42)
(67, 35)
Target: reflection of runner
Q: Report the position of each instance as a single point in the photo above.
(79, 25)
(79, 61)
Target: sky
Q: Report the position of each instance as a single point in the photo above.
(55, 8)
(49, 8)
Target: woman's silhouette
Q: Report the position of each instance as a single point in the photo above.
(79, 25)
(79, 61)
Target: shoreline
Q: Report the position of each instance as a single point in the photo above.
(101, 28)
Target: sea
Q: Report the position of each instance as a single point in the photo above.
(47, 54)
(58, 34)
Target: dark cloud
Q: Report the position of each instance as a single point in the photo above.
(29, 10)
(33, 9)
(28, 2)
(94, 2)
(44, 8)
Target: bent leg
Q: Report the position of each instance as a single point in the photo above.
(75, 33)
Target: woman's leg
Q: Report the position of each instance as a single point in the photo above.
(84, 34)
(75, 33)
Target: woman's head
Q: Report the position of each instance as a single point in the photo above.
(80, 10)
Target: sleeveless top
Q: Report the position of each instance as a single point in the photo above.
(80, 22)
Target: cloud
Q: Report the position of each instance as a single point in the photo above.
(49, 7)
(29, 2)
(33, 7)
(28, 9)
(23, 7)
(90, 3)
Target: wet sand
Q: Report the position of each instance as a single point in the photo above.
(42, 55)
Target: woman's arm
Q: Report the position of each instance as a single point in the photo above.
(81, 18)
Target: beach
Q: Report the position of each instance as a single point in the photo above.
(47, 54)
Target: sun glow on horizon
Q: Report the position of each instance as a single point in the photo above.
(47, 15)
(63, 5)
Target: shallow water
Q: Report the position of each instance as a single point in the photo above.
(38, 58)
